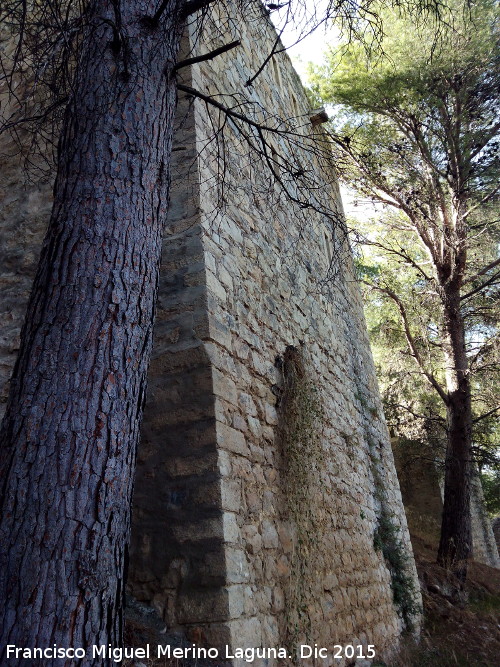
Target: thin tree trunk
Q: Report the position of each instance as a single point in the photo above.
(455, 543)
(69, 437)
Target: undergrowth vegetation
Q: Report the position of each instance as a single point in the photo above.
(386, 539)
(301, 429)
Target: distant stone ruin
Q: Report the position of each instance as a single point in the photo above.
(422, 490)
(496, 531)
(266, 492)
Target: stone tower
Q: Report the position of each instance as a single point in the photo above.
(266, 482)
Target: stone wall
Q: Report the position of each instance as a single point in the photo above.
(496, 531)
(257, 500)
(25, 205)
(484, 546)
(420, 487)
(422, 490)
(289, 574)
(177, 555)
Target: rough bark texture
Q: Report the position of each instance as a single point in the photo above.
(455, 543)
(69, 436)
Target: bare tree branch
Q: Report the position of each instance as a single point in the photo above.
(206, 56)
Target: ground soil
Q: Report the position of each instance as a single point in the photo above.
(455, 632)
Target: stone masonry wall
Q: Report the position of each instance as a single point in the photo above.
(177, 553)
(484, 546)
(25, 205)
(238, 537)
(422, 491)
(262, 265)
(496, 531)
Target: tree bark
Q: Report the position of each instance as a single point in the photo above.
(455, 543)
(69, 436)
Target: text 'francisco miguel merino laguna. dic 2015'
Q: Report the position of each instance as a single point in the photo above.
(117, 654)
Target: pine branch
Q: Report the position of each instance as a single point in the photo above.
(411, 341)
(484, 270)
(231, 113)
(486, 414)
(481, 287)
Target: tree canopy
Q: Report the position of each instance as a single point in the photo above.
(416, 130)
(422, 118)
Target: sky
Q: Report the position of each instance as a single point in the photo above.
(311, 49)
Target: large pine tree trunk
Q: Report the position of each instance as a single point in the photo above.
(69, 436)
(455, 543)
